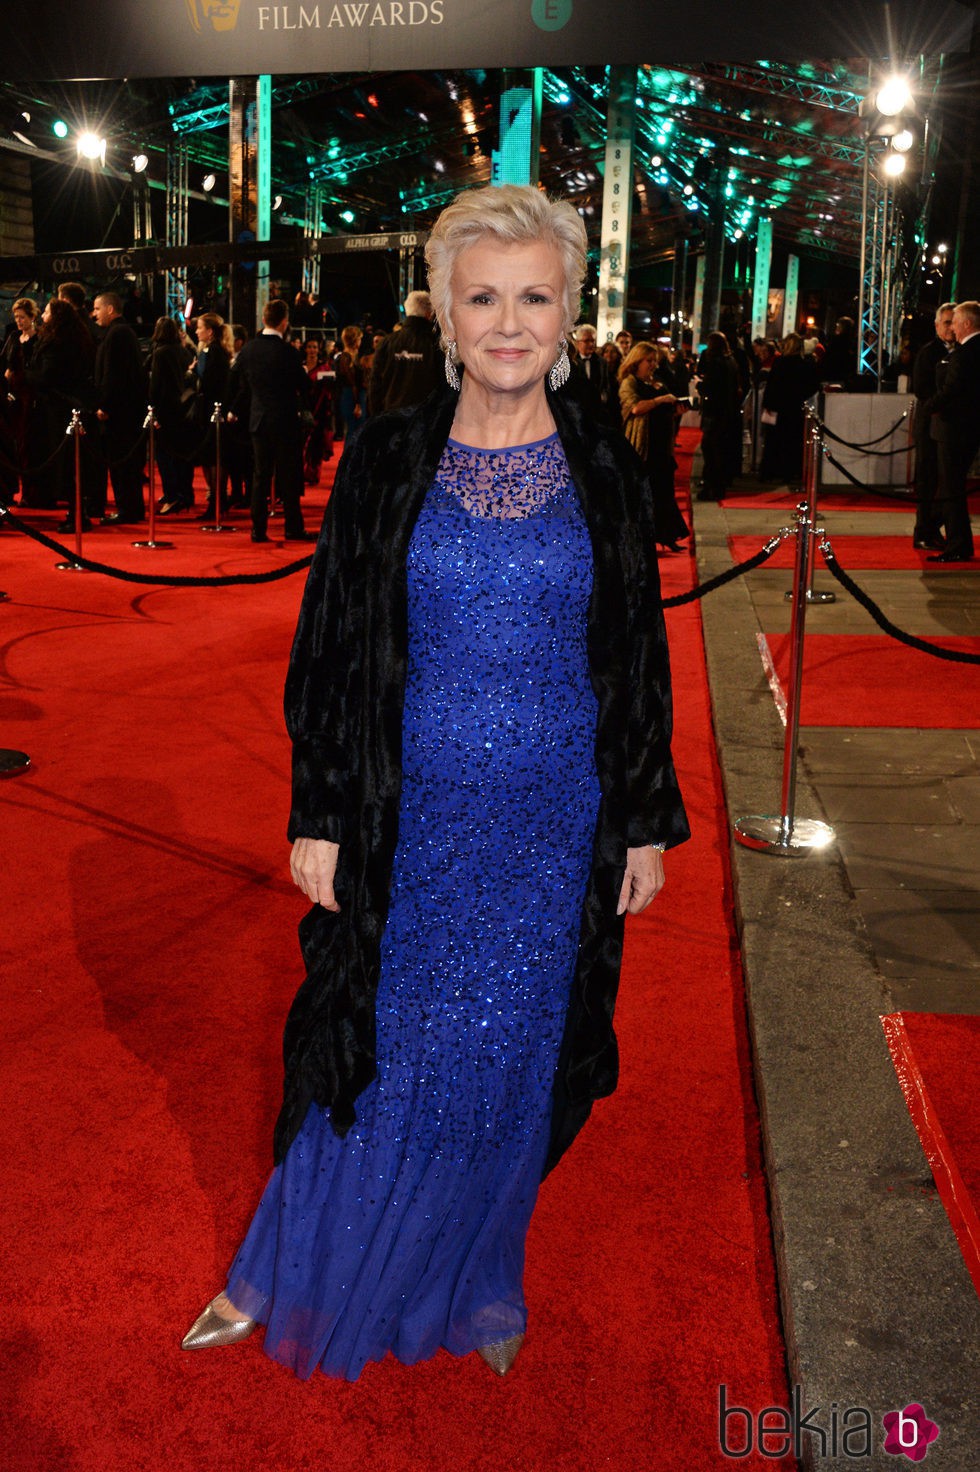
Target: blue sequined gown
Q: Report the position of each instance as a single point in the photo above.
(408, 1235)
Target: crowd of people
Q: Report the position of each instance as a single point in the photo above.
(71, 356)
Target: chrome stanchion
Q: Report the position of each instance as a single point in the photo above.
(76, 430)
(787, 834)
(151, 473)
(216, 421)
(811, 461)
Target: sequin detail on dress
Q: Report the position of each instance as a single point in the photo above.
(408, 1235)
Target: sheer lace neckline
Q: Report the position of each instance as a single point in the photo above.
(505, 484)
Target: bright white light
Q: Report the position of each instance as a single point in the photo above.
(140, 163)
(894, 97)
(656, 161)
(942, 249)
(738, 234)
(208, 183)
(903, 141)
(936, 260)
(893, 165)
(689, 190)
(277, 202)
(91, 146)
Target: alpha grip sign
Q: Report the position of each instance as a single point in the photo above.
(148, 38)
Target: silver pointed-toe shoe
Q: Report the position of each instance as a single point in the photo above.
(210, 1330)
(501, 1356)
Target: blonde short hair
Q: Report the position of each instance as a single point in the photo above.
(516, 213)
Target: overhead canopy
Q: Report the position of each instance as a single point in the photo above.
(122, 38)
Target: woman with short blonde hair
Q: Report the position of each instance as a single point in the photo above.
(478, 699)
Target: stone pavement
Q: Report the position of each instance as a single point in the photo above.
(879, 1309)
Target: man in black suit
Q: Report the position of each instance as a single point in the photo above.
(591, 381)
(270, 376)
(930, 365)
(956, 406)
(121, 398)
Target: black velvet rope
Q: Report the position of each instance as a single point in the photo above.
(892, 495)
(155, 579)
(7, 518)
(834, 568)
(728, 575)
(866, 445)
(28, 472)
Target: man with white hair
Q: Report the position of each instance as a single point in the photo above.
(957, 419)
(408, 364)
(591, 381)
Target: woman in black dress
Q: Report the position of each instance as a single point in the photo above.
(721, 418)
(168, 387)
(20, 428)
(792, 380)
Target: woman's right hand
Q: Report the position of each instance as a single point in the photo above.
(313, 864)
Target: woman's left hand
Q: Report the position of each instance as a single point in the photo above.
(643, 880)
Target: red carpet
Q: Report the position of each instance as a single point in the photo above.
(873, 680)
(148, 967)
(937, 1059)
(854, 553)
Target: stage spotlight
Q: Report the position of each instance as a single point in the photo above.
(91, 146)
(347, 216)
(893, 165)
(59, 128)
(894, 97)
(208, 182)
(903, 141)
(140, 163)
(688, 190)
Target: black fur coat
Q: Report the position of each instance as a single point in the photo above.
(344, 701)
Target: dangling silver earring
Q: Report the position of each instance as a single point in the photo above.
(561, 367)
(452, 373)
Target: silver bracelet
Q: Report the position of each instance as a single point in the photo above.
(660, 847)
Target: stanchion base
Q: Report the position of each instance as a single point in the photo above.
(813, 596)
(807, 836)
(12, 761)
(70, 567)
(153, 544)
(219, 528)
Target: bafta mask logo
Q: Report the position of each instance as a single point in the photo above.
(222, 15)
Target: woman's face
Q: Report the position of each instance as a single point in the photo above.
(23, 322)
(205, 334)
(46, 314)
(507, 312)
(646, 368)
(312, 354)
